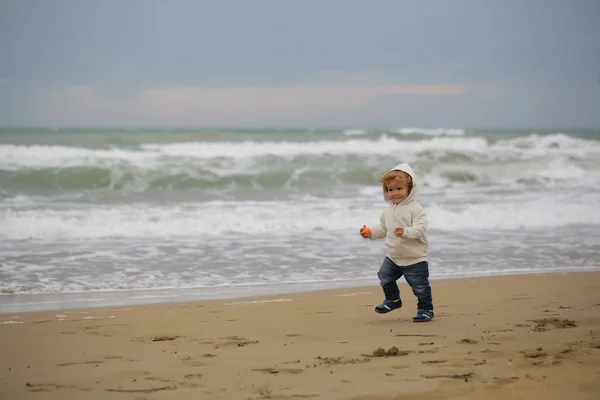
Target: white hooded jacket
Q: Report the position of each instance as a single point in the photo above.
(412, 247)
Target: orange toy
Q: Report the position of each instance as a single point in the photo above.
(366, 230)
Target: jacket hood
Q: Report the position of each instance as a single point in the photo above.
(404, 167)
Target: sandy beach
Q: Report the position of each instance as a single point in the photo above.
(514, 337)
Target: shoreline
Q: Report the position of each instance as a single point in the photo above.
(40, 302)
(492, 337)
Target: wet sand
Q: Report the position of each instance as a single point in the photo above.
(517, 337)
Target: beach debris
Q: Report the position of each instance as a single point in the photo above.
(467, 341)
(391, 352)
(546, 324)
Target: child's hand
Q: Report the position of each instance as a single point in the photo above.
(365, 232)
(399, 231)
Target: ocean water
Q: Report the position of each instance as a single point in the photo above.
(118, 217)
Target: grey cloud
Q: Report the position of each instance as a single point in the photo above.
(120, 48)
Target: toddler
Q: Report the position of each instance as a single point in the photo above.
(403, 225)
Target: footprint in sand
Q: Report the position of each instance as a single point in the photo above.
(149, 390)
(493, 353)
(191, 385)
(537, 356)
(158, 379)
(551, 313)
(49, 387)
(79, 363)
(134, 374)
(163, 338)
(194, 363)
(505, 380)
(278, 370)
(467, 363)
(342, 360)
(506, 338)
(563, 355)
(419, 335)
(202, 341)
(465, 377)
(234, 341)
(318, 312)
(548, 324)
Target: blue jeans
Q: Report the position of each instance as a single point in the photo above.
(417, 277)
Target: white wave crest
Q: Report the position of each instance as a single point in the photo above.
(513, 215)
(546, 172)
(14, 157)
(220, 218)
(155, 155)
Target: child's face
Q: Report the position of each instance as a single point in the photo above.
(397, 191)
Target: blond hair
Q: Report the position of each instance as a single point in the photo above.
(402, 176)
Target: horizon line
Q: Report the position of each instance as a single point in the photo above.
(296, 128)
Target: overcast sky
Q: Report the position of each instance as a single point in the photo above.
(300, 63)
